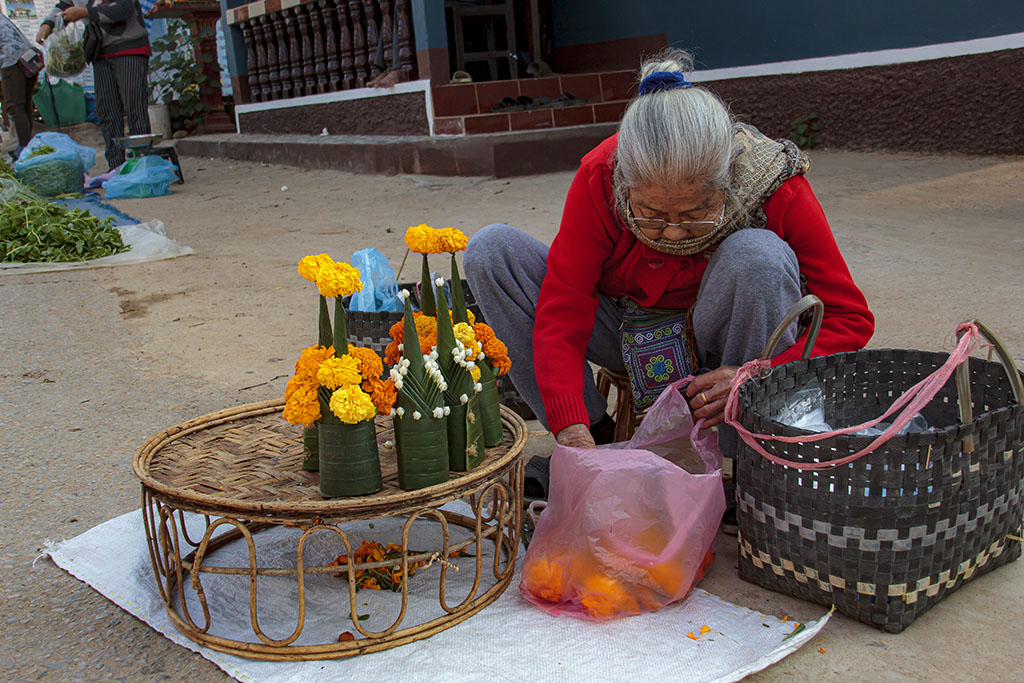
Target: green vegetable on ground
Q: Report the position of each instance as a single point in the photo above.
(41, 150)
(49, 177)
(41, 231)
(5, 168)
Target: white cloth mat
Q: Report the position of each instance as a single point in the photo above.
(508, 640)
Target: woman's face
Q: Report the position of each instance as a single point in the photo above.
(675, 212)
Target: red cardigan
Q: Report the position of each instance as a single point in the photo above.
(595, 252)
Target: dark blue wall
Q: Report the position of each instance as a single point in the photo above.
(743, 32)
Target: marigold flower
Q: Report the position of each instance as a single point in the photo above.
(310, 266)
(450, 240)
(420, 239)
(464, 333)
(339, 372)
(352, 405)
(302, 406)
(391, 353)
(310, 359)
(383, 394)
(501, 365)
(475, 373)
(332, 279)
(370, 364)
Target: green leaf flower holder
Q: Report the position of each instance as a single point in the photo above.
(311, 448)
(489, 405)
(349, 462)
(422, 449)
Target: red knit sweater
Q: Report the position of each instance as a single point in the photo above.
(595, 252)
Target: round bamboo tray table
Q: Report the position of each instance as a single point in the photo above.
(241, 469)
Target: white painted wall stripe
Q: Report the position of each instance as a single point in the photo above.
(862, 59)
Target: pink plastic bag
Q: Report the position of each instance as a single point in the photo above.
(628, 527)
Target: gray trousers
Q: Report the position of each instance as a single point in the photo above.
(751, 282)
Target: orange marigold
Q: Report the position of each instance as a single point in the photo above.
(391, 353)
(382, 392)
(370, 364)
(501, 365)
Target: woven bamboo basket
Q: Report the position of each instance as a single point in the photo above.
(888, 535)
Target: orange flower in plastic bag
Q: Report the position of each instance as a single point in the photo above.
(603, 596)
(545, 577)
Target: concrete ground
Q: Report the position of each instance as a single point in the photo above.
(96, 361)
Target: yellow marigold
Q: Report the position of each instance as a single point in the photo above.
(450, 240)
(475, 373)
(464, 333)
(339, 372)
(426, 330)
(302, 406)
(501, 365)
(370, 364)
(382, 393)
(352, 405)
(472, 318)
(339, 281)
(310, 266)
(420, 239)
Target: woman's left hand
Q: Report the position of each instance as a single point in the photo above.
(75, 13)
(707, 394)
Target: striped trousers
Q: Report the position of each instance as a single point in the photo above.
(121, 91)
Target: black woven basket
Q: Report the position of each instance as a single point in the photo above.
(372, 329)
(886, 536)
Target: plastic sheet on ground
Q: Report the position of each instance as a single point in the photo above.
(508, 640)
(148, 242)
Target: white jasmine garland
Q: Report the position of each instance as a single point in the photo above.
(443, 386)
(405, 362)
(439, 282)
(404, 294)
(404, 371)
(416, 415)
(463, 399)
(438, 412)
(389, 444)
(478, 387)
(401, 411)
(447, 410)
(401, 347)
(393, 413)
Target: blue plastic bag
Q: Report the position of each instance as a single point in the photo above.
(380, 286)
(150, 176)
(60, 143)
(49, 175)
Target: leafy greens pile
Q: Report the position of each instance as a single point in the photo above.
(33, 230)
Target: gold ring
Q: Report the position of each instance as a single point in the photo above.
(703, 398)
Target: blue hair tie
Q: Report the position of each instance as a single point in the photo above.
(663, 80)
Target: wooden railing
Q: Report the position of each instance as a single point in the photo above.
(321, 46)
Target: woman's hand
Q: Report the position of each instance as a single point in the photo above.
(707, 394)
(576, 436)
(74, 14)
(44, 33)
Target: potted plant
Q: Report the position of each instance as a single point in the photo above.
(176, 76)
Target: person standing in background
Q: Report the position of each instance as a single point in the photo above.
(120, 73)
(19, 78)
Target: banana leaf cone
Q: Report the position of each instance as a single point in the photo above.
(422, 448)
(324, 335)
(427, 304)
(349, 462)
(459, 313)
(489, 410)
(311, 448)
(465, 436)
(421, 445)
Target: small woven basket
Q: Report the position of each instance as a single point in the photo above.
(372, 329)
(888, 535)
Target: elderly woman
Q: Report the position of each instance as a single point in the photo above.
(684, 240)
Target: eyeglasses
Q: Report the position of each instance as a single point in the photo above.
(659, 224)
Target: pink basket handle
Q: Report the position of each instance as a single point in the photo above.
(911, 401)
